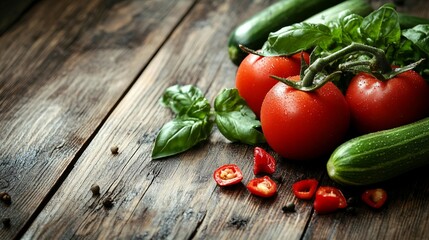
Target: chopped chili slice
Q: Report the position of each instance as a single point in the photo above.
(329, 199)
(326, 203)
(262, 187)
(305, 189)
(326, 190)
(263, 162)
(374, 198)
(228, 175)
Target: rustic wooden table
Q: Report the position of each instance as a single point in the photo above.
(78, 76)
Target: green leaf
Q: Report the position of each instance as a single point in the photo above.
(181, 134)
(381, 28)
(179, 98)
(419, 35)
(235, 120)
(350, 25)
(295, 38)
(200, 109)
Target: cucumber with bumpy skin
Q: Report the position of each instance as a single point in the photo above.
(382, 155)
(254, 32)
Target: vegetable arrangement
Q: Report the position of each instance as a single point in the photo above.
(365, 79)
(370, 60)
(254, 32)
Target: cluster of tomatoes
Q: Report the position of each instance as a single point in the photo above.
(307, 125)
(327, 199)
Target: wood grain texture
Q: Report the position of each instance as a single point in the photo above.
(62, 70)
(78, 77)
(169, 198)
(175, 197)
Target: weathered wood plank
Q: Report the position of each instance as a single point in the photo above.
(62, 69)
(175, 197)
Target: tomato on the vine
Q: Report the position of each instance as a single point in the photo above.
(304, 125)
(378, 105)
(253, 79)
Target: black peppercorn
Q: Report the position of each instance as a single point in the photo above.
(108, 202)
(95, 189)
(290, 207)
(114, 149)
(5, 197)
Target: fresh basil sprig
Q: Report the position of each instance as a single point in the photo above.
(195, 119)
(419, 35)
(235, 120)
(380, 29)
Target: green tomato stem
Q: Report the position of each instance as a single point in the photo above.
(381, 63)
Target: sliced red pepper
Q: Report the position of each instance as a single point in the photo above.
(305, 189)
(326, 204)
(228, 175)
(263, 162)
(329, 199)
(262, 187)
(374, 198)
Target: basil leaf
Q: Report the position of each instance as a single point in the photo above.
(419, 35)
(181, 134)
(235, 120)
(381, 27)
(200, 109)
(178, 98)
(350, 25)
(295, 38)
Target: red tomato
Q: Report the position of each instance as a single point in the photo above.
(263, 162)
(377, 105)
(374, 198)
(262, 187)
(329, 199)
(304, 125)
(305, 189)
(253, 79)
(227, 175)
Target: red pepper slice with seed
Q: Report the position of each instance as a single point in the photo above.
(228, 175)
(374, 198)
(262, 187)
(305, 189)
(263, 162)
(329, 199)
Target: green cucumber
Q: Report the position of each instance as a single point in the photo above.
(360, 7)
(254, 32)
(380, 156)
